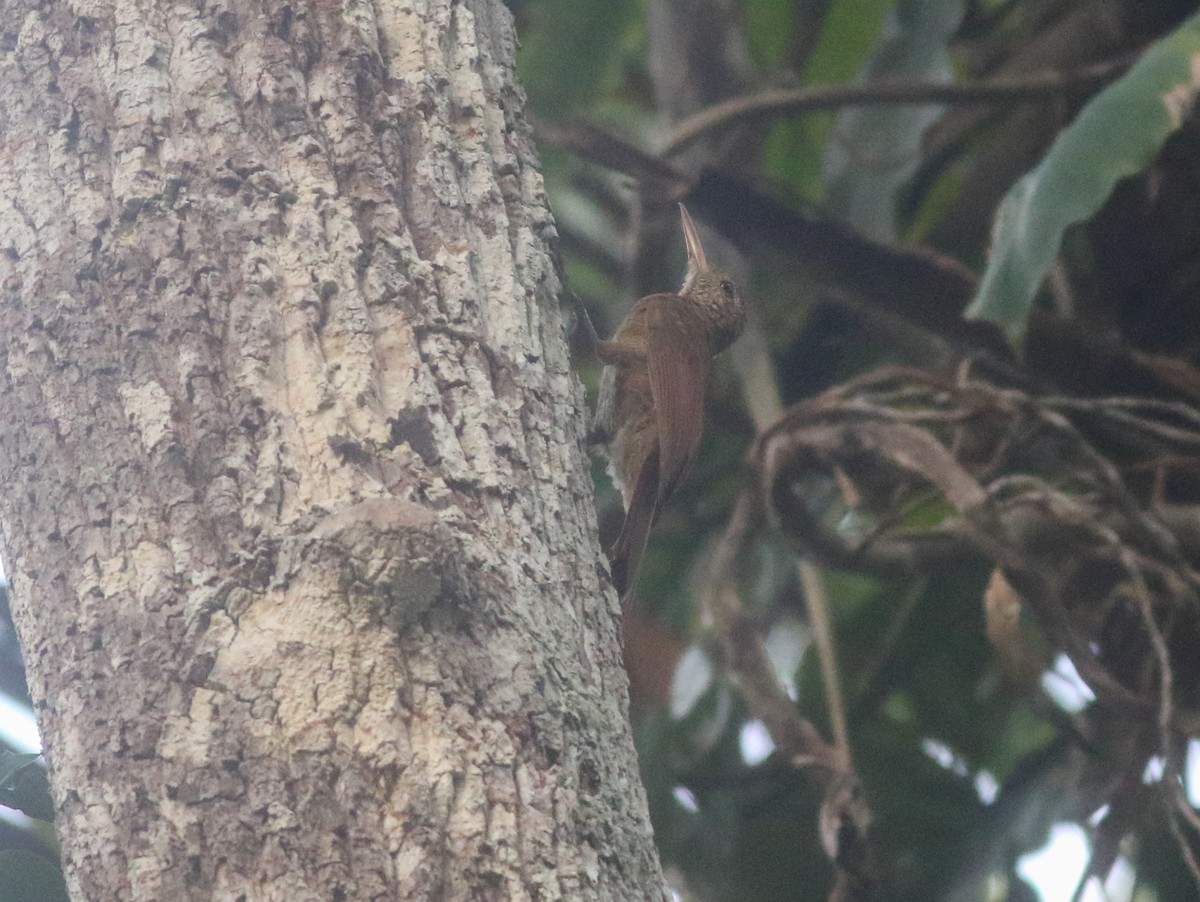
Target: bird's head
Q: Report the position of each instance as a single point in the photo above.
(711, 289)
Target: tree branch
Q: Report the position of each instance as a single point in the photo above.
(790, 101)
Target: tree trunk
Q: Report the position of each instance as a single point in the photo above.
(295, 510)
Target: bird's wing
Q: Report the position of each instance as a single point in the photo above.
(627, 551)
(677, 358)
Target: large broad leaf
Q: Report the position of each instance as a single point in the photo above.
(11, 763)
(23, 785)
(574, 55)
(873, 151)
(1116, 135)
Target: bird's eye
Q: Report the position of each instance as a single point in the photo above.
(727, 287)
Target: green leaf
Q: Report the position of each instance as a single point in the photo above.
(873, 152)
(11, 763)
(794, 151)
(768, 23)
(23, 785)
(1116, 135)
(572, 54)
(848, 33)
(26, 877)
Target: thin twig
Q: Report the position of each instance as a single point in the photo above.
(844, 817)
(790, 101)
(817, 603)
(1185, 807)
(767, 407)
(1185, 848)
(1148, 528)
(1174, 408)
(797, 740)
(1118, 410)
(1172, 771)
(598, 145)
(1166, 676)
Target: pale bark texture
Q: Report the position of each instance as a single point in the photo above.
(294, 500)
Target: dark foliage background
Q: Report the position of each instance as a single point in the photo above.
(859, 233)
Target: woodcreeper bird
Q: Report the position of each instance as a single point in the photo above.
(651, 404)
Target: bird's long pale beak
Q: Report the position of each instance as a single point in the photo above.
(697, 262)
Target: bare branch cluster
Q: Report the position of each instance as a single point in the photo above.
(845, 815)
(1071, 502)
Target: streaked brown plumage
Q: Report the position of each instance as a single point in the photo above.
(651, 406)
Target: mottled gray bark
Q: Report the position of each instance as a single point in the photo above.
(295, 508)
